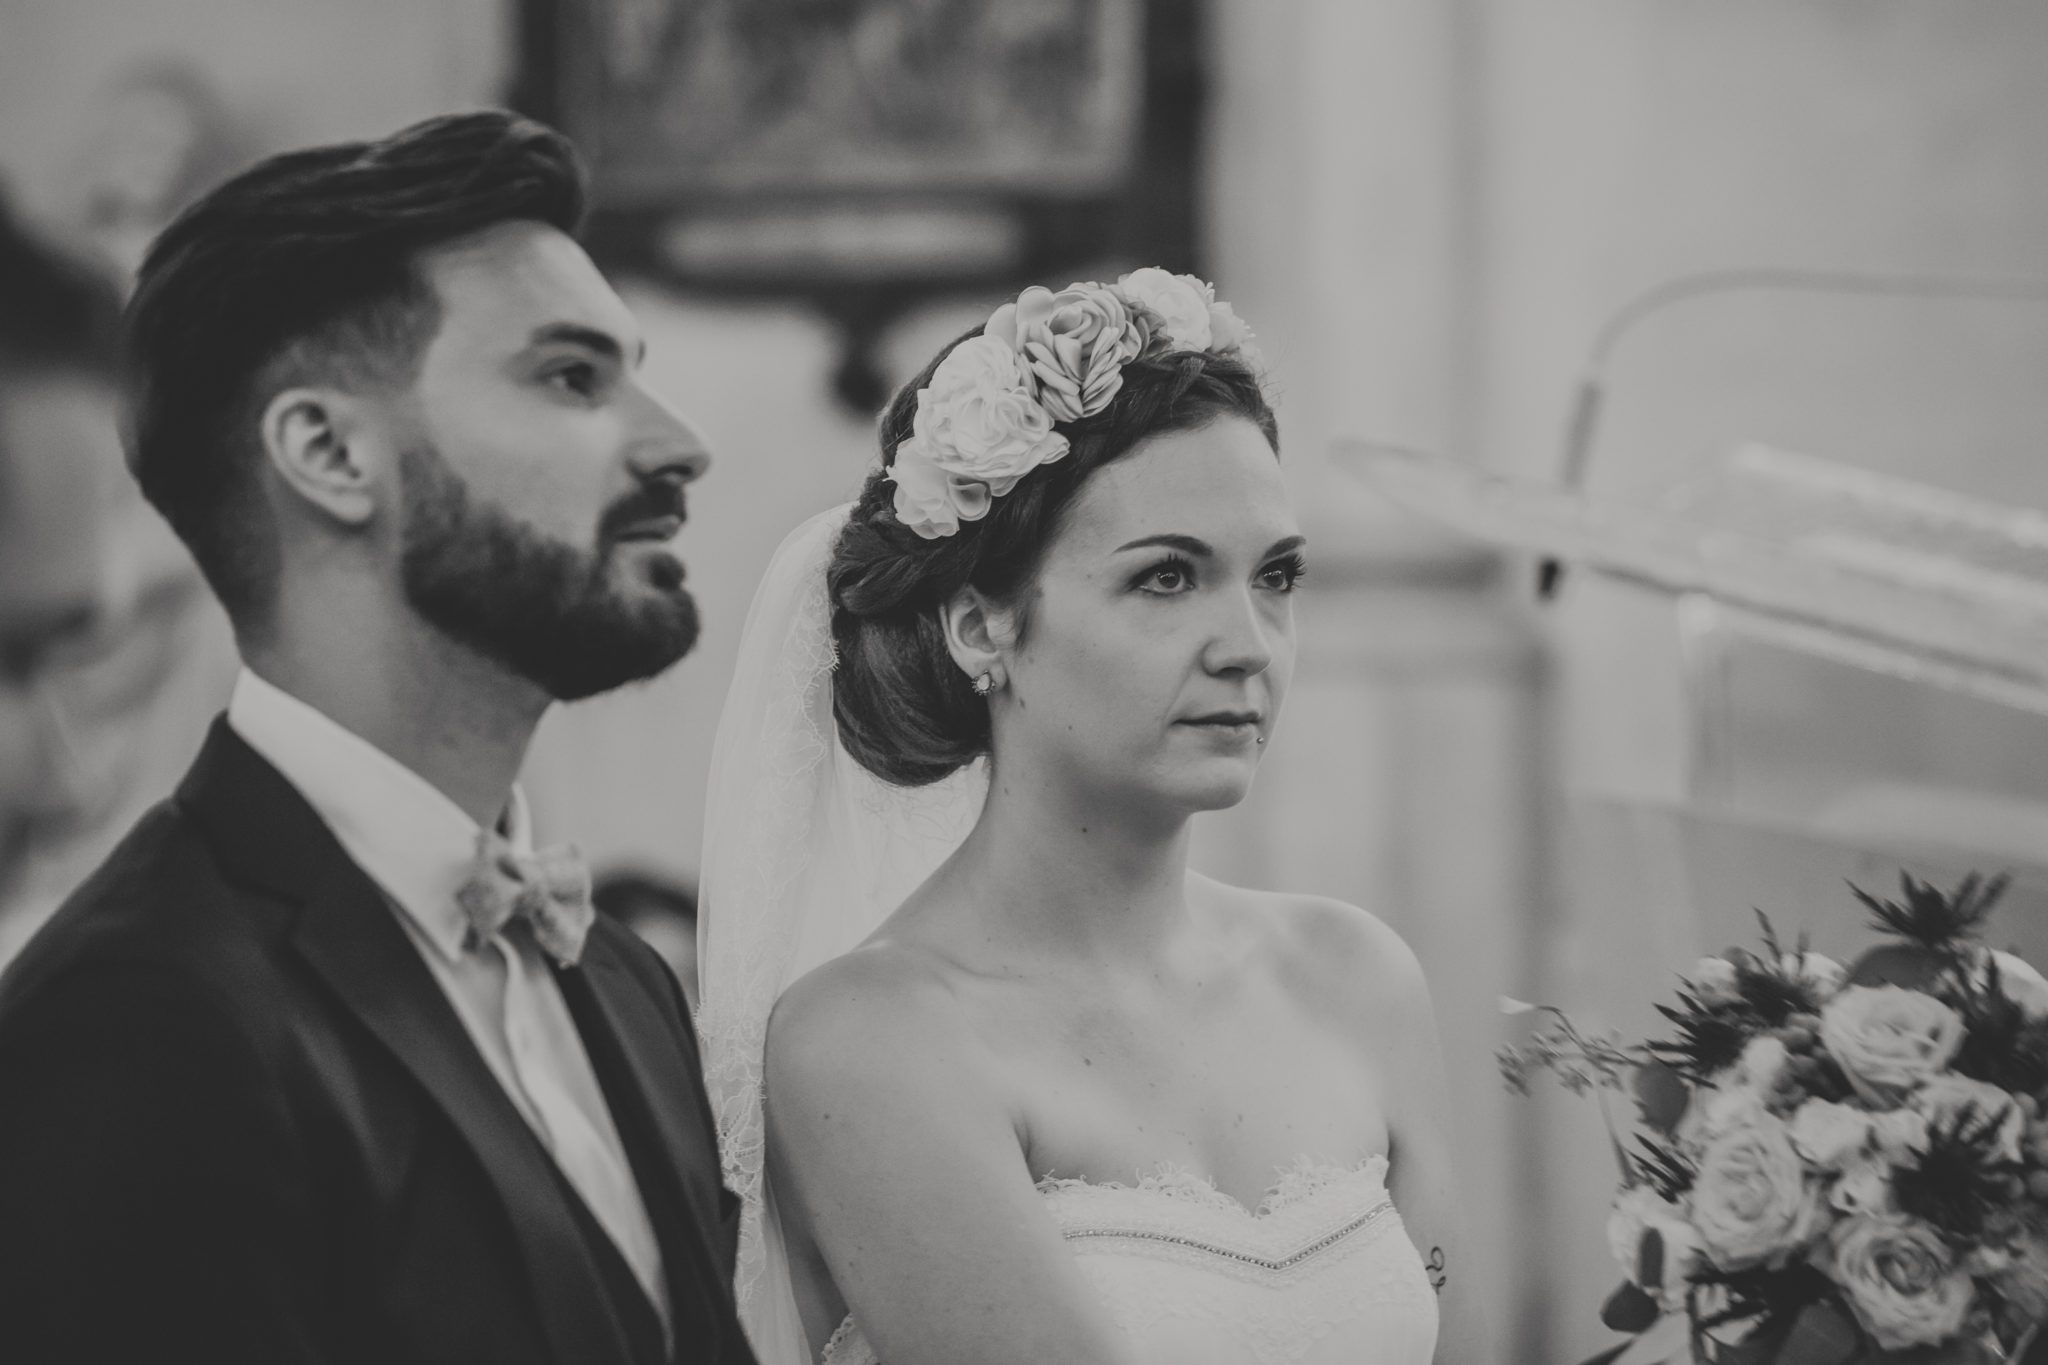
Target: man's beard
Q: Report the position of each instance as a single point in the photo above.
(541, 607)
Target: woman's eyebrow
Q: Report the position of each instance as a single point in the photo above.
(1186, 544)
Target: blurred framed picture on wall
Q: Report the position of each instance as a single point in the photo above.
(682, 98)
(864, 154)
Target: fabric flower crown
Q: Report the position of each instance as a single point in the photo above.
(987, 418)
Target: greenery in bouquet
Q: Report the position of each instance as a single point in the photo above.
(1833, 1165)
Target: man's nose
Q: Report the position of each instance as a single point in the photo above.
(40, 772)
(665, 444)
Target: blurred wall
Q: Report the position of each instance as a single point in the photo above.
(290, 71)
(1428, 210)
(1623, 142)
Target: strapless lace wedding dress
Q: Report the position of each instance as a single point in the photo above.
(1321, 1273)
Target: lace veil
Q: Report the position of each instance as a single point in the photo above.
(805, 853)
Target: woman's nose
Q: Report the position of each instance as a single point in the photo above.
(1242, 643)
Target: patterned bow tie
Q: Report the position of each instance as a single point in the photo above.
(549, 889)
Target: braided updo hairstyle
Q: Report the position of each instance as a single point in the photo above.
(904, 709)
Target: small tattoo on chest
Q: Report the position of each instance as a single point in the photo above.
(1438, 1276)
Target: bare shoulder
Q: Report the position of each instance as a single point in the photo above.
(880, 1012)
(1331, 948)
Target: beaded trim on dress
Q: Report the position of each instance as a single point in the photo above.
(1302, 1180)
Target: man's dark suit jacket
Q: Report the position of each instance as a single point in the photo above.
(240, 1122)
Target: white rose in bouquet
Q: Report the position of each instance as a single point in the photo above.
(1829, 1134)
(1954, 1103)
(1865, 1186)
(1901, 1280)
(2021, 984)
(1888, 1039)
(1713, 980)
(1900, 1134)
(1719, 1109)
(1751, 1200)
(1823, 973)
(1762, 1062)
(2021, 1276)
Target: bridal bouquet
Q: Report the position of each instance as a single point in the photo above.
(1832, 1165)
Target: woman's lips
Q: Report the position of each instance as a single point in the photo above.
(1236, 725)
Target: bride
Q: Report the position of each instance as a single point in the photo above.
(1035, 1091)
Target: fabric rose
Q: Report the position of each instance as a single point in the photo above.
(1640, 1209)
(1182, 304)
(980, 419)
(1901, 1280)
(1750, 1200)
(1230, 335)
(1075, 344)
(1959, 1104)
(928, 500)
(1713, 981)
(1829, 1134)
(1888, 1039)
(978, 429)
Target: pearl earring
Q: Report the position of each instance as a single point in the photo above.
(984, 684)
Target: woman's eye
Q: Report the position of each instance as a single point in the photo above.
(1285, 577)
(1170, 577)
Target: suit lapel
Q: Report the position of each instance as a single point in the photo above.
(349, 936)
(618, 1018)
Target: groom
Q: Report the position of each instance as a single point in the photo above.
(327, 1064)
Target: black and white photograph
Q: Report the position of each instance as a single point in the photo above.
(1023, 682)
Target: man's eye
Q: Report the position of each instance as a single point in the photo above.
(579, 379)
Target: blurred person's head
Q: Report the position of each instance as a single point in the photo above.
(156, 136)
(61, 548)
(379, 387)
(662, 912)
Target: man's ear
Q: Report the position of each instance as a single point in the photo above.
(316, 441)
(979, 634)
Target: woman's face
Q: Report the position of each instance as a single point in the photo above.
(1159, 636)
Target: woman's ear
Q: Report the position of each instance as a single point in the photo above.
(979, 634)
(314, 441)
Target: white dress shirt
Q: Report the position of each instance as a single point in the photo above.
(420, 848)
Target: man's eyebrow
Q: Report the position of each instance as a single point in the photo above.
(576, 334)
(1172, 540)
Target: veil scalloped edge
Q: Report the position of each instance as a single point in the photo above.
(805, 854)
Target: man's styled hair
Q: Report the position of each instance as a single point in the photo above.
(55, 313)
(303, 269)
